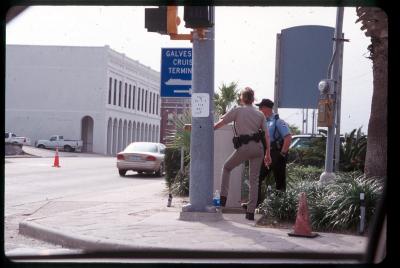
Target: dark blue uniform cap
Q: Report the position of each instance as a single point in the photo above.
(266, 102)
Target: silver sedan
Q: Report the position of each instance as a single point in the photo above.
(142, 157)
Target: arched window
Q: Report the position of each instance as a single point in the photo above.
(109, 136)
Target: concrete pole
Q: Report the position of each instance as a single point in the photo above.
(202, 132)
(338, 107)
(328, 174)
(277, 66)
(313, 121)
(307, 121)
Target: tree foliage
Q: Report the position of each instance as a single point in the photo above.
(227, 96)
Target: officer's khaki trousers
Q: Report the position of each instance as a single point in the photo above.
(255, 154)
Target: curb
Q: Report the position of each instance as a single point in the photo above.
(74, 241)
(22, 156)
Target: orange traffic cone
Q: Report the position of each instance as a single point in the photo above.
(56, 160)
(302, 226)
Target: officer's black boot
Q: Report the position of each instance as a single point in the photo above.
(250, 216)
(223, 201)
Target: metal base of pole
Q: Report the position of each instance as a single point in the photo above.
(327, 177)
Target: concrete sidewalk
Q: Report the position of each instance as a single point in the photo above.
(138, 218)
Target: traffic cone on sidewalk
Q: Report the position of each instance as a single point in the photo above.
(302, 226)
(56, 160)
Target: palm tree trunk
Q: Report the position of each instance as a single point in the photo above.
(376, 157)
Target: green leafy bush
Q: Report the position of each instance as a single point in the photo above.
(335, 206)
(172, 162)
(296, 173)
(353, 151)
(343, 201)
(180, 186)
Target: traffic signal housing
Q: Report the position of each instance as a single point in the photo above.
(198, 16)
(163, 19)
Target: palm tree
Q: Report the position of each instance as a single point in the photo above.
(374, 22)
(179, 137)
(228, 95)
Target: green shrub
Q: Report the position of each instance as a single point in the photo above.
(180, 186)
(172, 164)
(343, 201)
(353, 151)
(296, 173)
(280, 205)
(335, 206)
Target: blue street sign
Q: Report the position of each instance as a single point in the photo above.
(176, 72)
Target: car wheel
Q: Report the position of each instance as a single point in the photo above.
(139, 172)
(122, 172)
(160, 171)
(67, 148)
(41, 146)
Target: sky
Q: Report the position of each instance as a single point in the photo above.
(245, 46)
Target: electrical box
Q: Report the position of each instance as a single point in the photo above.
(325, 112)
(198, 16)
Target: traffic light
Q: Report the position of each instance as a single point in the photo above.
(198, 16)
(163, 19)
(155, 19)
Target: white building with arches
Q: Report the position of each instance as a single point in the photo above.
(91, 93)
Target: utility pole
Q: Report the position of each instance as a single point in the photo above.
(333, 74)
(164, 20)
(338, 107)
(202, 129)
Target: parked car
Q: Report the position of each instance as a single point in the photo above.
(14, 139)
(142, 157)
(58, 141)
(306, 140)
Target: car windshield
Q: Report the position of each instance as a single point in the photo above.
(144, 169)
(142, 147)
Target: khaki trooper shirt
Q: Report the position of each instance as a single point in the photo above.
(248, 119)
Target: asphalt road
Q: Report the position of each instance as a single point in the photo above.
(32, 183)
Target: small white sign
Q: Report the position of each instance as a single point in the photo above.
(200, 104)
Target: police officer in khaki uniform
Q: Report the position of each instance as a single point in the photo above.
(250, 129)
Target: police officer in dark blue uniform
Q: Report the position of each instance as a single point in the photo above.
(280, 139)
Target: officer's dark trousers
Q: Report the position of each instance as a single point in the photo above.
(278, 168)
